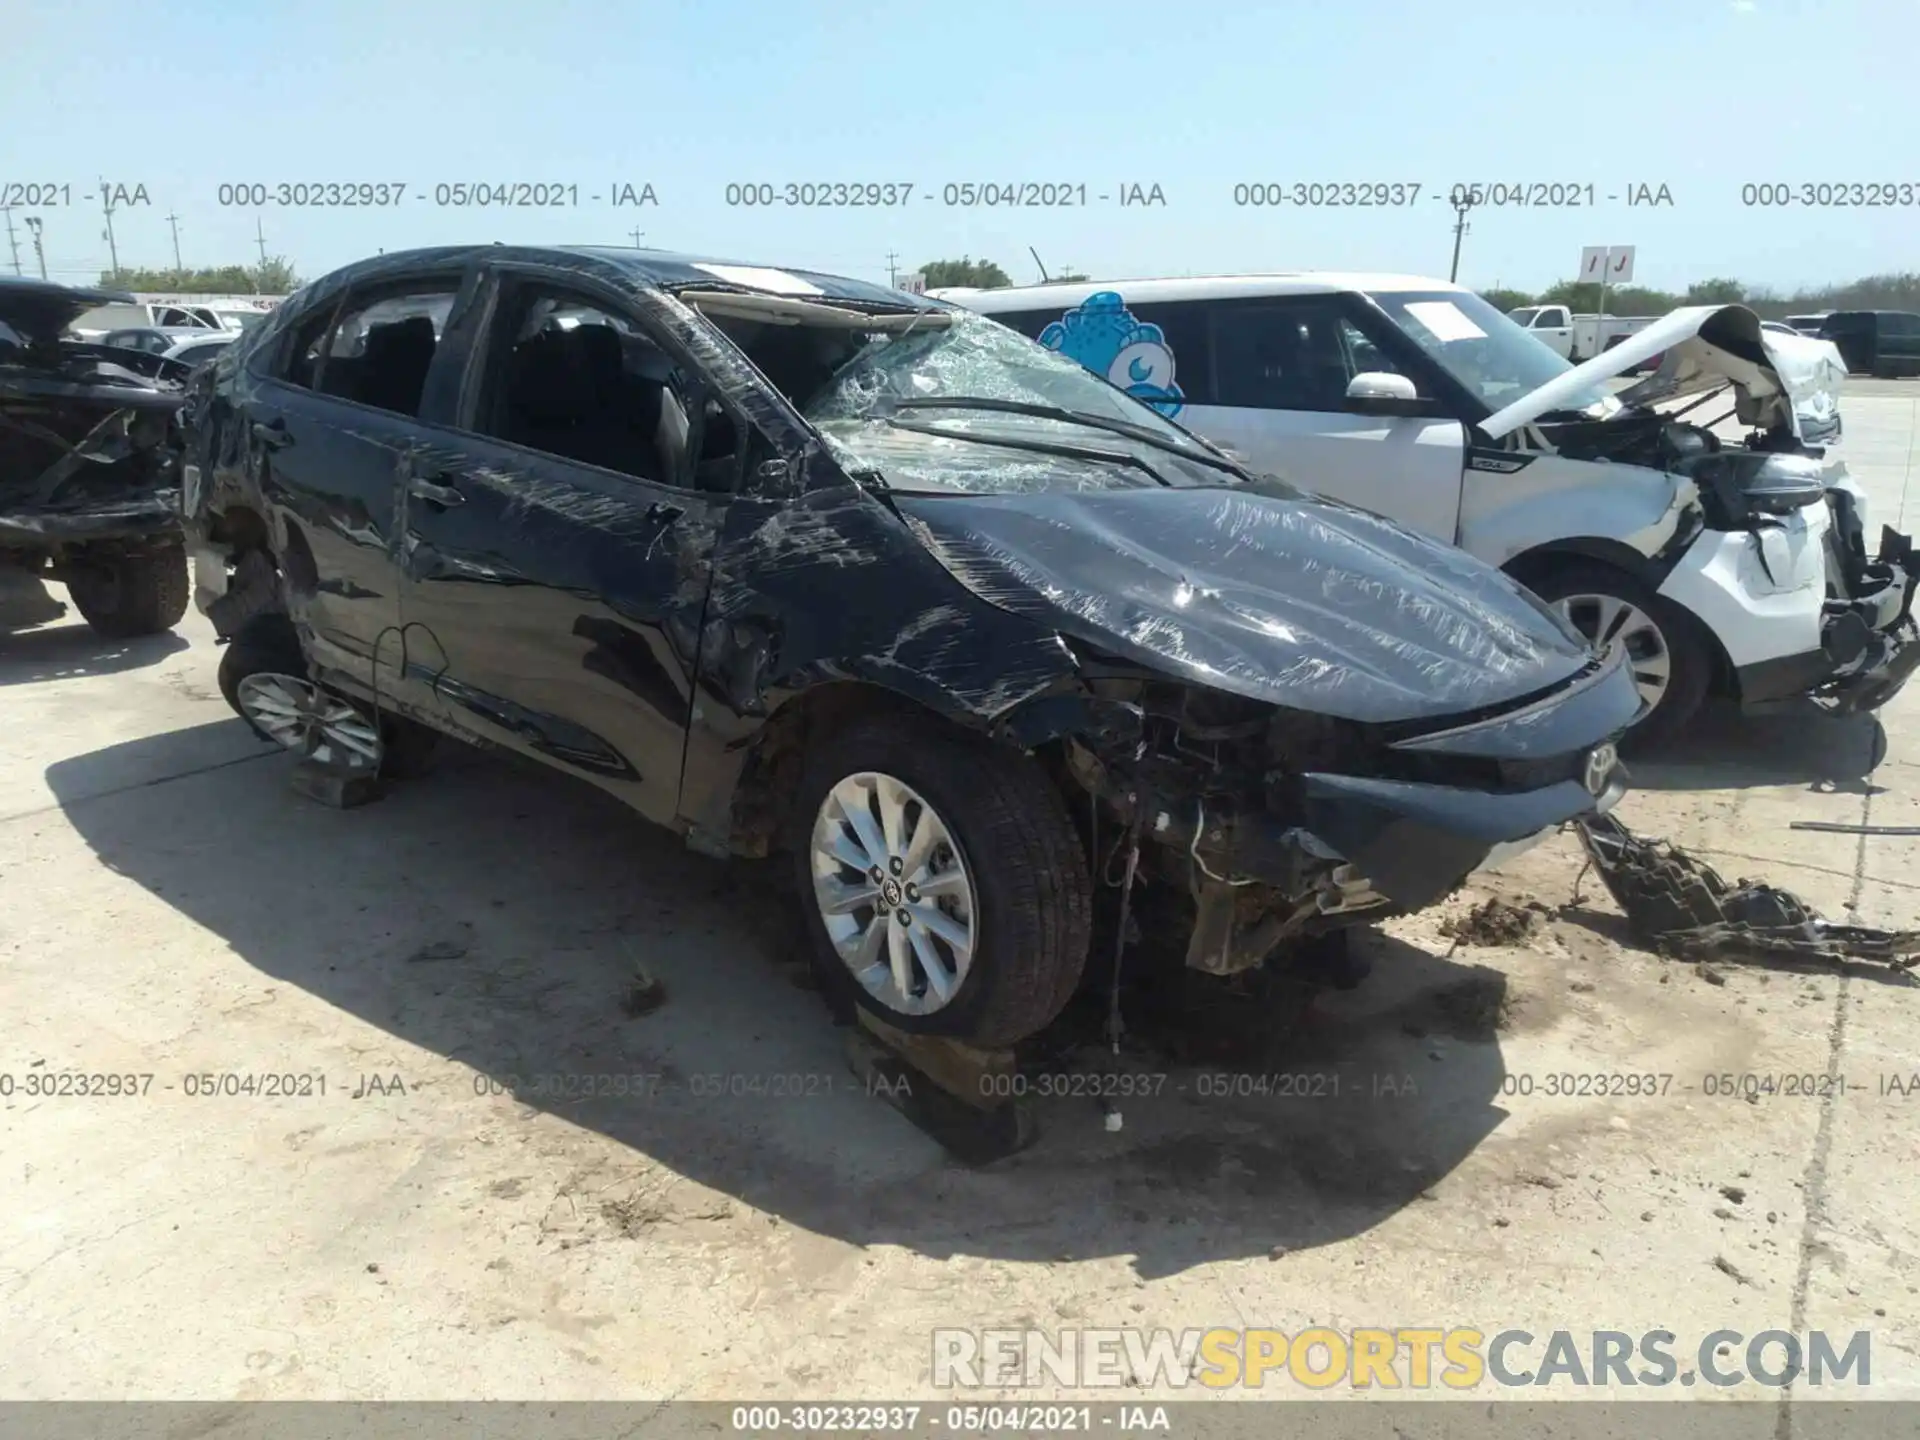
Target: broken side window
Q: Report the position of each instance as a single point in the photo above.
(379, 351)
(575, 380)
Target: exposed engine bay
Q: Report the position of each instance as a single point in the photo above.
(1277, 824)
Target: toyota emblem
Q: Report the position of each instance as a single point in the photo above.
(1600, 762)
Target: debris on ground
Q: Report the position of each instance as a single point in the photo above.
(1683, 907)
(1728, 1268)
(1472, 1008)
(632, 1216)
(1493, 922)
(437, 950)
(644, 995)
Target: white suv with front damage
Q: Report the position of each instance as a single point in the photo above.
(1724, 565)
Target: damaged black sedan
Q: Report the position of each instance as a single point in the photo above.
(799, 564)
(89, 468)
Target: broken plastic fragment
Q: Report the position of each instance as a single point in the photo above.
(1683, 907)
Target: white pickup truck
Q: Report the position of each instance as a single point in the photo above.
(1577, 337)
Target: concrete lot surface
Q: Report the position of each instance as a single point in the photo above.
(760, 1227)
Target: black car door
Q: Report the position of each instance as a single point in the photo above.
(560, 535)
(328, 427)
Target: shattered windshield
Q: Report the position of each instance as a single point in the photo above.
(900, 404)
(1484, 350)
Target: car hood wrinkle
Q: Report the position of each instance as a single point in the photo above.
(1701, 347)
(1296, 601)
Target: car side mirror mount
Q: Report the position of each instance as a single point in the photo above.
(1379, 392)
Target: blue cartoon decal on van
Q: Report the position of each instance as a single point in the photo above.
(1102, 335)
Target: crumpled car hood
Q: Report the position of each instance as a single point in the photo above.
(40, 309)
(1813, 372)
(1702, 346)
(1296, 601)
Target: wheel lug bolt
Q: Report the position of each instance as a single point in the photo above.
(913, 892)
(894, 865)
(904, 918)
(875, 875)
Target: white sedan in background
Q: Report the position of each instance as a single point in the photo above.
(198, 350)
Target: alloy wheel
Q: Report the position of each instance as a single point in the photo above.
(300, 716)
(894, 893)
(1611, 623)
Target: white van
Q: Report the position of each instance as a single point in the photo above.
(1738, 567)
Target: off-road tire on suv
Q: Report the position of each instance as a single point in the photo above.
(1690, 652)
(1031, 892)
(268, 644)
(136, 593)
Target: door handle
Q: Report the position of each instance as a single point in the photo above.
(435, 494)
(272, 434)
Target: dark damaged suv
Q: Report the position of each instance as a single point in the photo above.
(89, 468)
(795, 563)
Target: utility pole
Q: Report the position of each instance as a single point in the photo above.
(12, 243)
(260, 239)
(893, 269)
(39, 250)
(636, 232)
(106, 208)
(1042, 268)
(173, 222)
(1463, 201)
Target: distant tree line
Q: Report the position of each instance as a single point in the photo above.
(1873, 292)
(275, 277)
(982, 274)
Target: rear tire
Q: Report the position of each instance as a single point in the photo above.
(1009, 850)
(1585, 591)
(124, 595)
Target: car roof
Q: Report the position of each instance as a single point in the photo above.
(1147, 290)
(647, 269)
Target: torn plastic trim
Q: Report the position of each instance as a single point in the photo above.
(1682, 906)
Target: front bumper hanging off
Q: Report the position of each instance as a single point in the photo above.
(1870, 635)
(1682, 907)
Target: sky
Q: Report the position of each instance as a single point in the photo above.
(1701, 97)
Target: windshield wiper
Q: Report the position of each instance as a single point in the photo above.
(1072, 417)
(1039, 447)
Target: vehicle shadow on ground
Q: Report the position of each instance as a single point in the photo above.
(494, 916)
(1803, 745)
(66, 652)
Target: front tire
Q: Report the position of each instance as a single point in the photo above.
(971, 844)
(1671, 659)
(136, 593)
